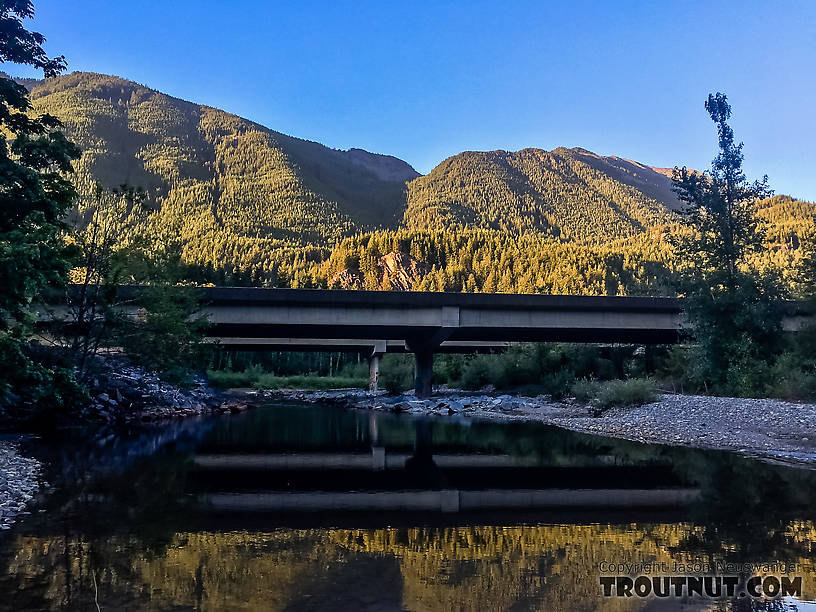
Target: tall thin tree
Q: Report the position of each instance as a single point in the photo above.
(733, 312)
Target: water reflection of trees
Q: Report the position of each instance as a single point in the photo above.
(544, 567)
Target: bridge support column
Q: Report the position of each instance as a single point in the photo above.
(374, 365)
(423, 373)
(373, 372)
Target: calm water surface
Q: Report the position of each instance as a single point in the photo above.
(294, 507)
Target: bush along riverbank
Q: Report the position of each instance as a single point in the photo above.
(770, 429)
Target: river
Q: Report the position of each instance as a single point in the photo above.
(305, 507)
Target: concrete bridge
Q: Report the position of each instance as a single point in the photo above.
(426, 323)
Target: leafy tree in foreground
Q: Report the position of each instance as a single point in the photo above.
(733, 313)
(168, 334)
(169, 337)
(34, 195)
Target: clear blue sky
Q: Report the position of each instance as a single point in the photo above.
(424, 81)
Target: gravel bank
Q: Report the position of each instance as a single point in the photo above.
(19, 481)
(768, 428)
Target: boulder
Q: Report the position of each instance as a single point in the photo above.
(401, 407)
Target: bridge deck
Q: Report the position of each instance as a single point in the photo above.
(431, 318)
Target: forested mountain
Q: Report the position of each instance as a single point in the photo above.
(206, 170)
(240, 203)
(566, 193)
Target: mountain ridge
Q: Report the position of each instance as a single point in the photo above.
(243, 203)
(374, 200)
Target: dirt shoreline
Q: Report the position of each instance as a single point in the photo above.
(769, 429)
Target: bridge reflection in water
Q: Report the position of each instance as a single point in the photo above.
(425, 481)
(155, 535)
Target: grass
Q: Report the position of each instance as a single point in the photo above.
(227, 379)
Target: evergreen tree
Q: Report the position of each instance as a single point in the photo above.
(733, 313)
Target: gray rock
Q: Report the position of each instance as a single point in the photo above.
(455, 406)
(401, 407)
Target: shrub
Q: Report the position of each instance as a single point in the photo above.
(792, 379)
(558, 383)
(585, 390)
(227, 379)
(257, 378)
(482, 370)
(448, 368)
(170, 337)
(632, 392)
(354, 370)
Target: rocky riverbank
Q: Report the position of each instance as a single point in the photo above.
(768, 428)
(123, 392)
(19, 481)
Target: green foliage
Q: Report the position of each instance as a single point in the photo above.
(218, 180)
(532, 368)
(733, 313)
(34, 387)
(35, 159)
(397, 373)
(604, 395)
(169, 336)
(493, 261)
(269, 381)
(229, 379)
(482, 370)
(793, 375)
(563, 194)
(258, 379)
(805, 273)
(241, 204)
(95, 315)
(737, 335)
(586, 389)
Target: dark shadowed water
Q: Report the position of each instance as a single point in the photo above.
(294, 507)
